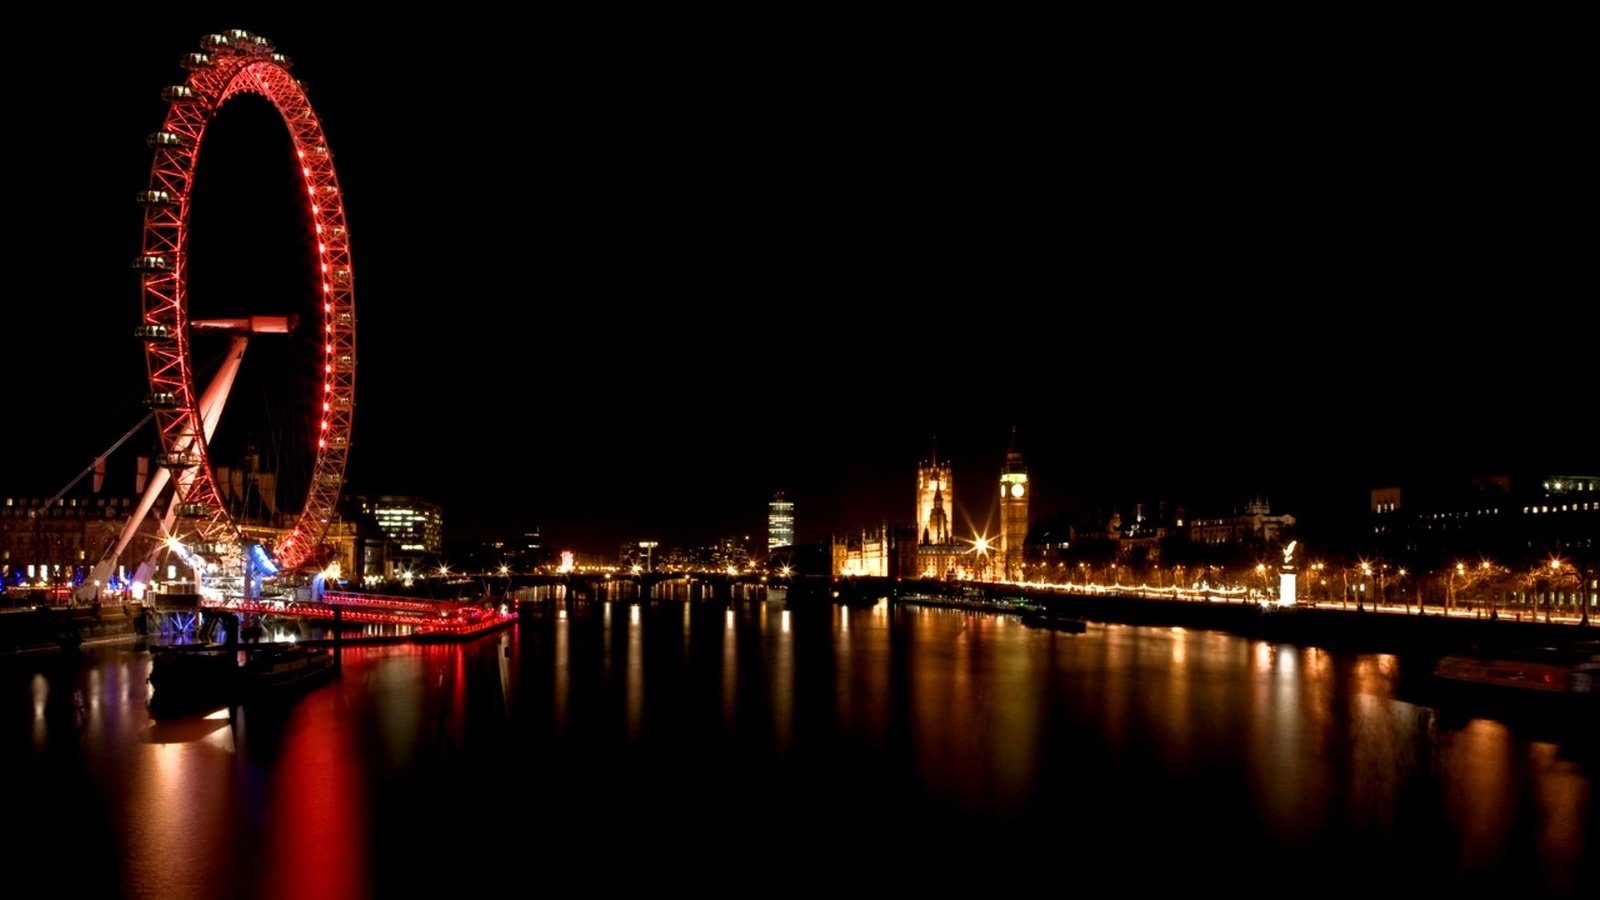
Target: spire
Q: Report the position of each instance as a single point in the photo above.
(936, 451)
(1013, 455)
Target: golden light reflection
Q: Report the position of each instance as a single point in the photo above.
(561, 681)
(40, 688)
(687, 632)
(1179, 711)
(1563, 798)
(1479, 791)
(92, 692)
(635, 699)
(782, 685)
(1017, 714)
(730, 672)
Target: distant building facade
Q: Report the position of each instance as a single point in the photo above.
(1511, 520)
(55, 545)
(780, 522)
(1257, 524)
(415, 528)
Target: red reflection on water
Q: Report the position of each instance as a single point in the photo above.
(318, 831)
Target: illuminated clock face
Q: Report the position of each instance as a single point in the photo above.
(1016, 490)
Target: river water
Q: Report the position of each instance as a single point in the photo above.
(697, 748)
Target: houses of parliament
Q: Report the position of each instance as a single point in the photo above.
(931, 548)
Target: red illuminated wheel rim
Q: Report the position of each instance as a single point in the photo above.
(231, 64)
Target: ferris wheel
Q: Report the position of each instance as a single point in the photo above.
(196, 522)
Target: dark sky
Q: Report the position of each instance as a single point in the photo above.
(622, 279)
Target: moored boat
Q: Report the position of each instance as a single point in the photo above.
(275, 671)
(189, 678)
(1039, 617)
(193, 678)
(1546, 671)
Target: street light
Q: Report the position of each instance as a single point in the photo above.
(980, 553)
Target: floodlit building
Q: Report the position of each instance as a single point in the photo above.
(780, 522)
(1014, 495)
(938, 554)
(416, 525)
(870, 555)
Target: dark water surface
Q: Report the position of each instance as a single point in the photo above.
(695, 748)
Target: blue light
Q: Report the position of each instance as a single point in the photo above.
(264, 563)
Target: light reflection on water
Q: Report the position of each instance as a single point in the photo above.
(896, 725)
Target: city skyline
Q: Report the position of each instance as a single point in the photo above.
(1290, 335)
(1074, 444)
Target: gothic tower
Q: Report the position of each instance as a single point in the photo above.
(934, 492)
(1013, 511)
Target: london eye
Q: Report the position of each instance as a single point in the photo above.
(199, 520)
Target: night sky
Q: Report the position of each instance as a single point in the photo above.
(623, 279)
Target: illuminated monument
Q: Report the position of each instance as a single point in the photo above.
(938, 554)
(1286, 576)
(1013, 511)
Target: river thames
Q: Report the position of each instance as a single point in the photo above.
(719, 750)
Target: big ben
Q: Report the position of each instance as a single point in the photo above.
(1013, 511)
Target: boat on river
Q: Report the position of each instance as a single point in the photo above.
(190, 678)
(1547, 671)
(281, 671)
(1055, 620)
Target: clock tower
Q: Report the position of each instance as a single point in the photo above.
(1014, 489)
